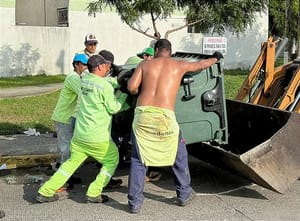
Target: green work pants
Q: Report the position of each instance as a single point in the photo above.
(105, 153)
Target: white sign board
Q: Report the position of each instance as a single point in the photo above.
(212, 44)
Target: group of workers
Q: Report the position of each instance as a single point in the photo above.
(83, 121)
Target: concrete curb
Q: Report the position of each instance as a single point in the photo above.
(26, 151)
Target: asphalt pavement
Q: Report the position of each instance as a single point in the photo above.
(220, 195)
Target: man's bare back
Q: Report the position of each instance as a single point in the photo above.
(160, 78)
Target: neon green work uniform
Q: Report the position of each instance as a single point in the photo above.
(62, 114)
(67, 99)
(91, 136)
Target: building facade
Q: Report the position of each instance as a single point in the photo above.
(42, 36)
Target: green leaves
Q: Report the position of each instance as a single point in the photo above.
(207, 16)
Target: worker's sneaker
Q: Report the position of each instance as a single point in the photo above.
(154, 176)
(98, 199)
(187, 201)
(46, 199)
(135, 209)
(114, 183)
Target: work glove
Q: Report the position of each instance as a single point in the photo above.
(217, 55)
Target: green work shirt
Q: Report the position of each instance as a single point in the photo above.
(112, 80)
(74, 114)
(97, 105)
(67, 99)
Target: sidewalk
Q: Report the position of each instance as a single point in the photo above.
(27, 91)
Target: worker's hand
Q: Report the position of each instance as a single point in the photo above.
(217, 55)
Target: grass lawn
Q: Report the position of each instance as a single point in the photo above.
(19, 114)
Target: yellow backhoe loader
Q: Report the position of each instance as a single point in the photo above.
(272, 86)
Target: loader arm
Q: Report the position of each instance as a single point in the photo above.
(263, 71)
(265, 66)
(277, 84)
(248, 82)
(291, 93)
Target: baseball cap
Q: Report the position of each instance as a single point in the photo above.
(148, 51)
(107, 55)
(96, 60)
(90, 38)
(80, 58)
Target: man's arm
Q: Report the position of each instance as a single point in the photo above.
(203, 64)
(135, 80)
(113, 102)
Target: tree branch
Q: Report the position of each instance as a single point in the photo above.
(181, 27)
(154, 24)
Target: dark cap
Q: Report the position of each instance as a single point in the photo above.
(107, 55)
(96, 60)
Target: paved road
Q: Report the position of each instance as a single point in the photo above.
(220, 196)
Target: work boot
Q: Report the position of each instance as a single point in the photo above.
(98, 199)
(46, 199)
(187, 201)
(114, 183)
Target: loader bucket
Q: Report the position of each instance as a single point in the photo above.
(263, 145)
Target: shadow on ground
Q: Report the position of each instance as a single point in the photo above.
(206, 180)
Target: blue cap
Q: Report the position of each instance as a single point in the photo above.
(83, 58)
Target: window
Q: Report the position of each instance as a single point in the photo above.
(42, 12)
(62, 17)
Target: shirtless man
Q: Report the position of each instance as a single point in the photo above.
(156, 137)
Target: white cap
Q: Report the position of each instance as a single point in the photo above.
(90, 38)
